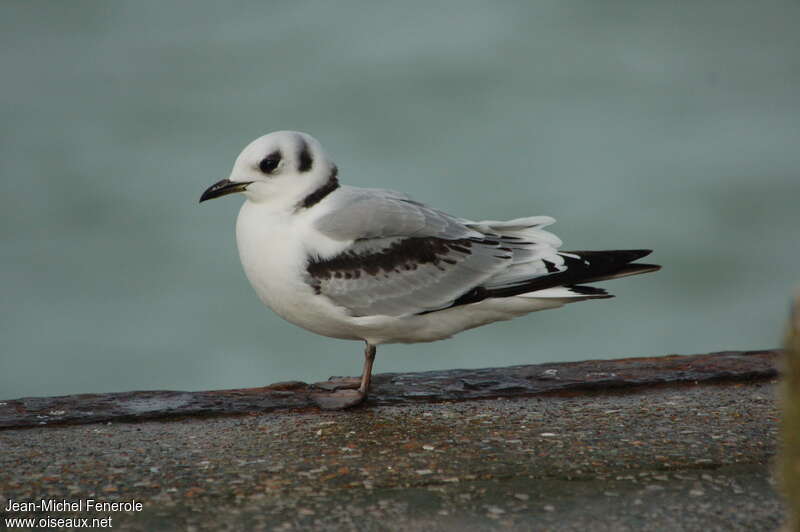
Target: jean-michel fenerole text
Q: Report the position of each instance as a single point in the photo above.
(80, 505)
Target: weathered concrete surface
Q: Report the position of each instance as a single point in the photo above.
(399, 388)
(687, 457)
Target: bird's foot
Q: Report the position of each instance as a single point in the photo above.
(339, 399)
(339, 383)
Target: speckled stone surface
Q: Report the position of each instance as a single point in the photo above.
(399, 388)
(688, 457)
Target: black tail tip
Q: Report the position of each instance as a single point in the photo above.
(590, 291)
(636, 254)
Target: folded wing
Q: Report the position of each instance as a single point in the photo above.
(405, 258)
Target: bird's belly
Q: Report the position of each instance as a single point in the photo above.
(274, 263)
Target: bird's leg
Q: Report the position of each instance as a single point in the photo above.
(366, 373)
(347, 392)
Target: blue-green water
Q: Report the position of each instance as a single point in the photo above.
(670, 125)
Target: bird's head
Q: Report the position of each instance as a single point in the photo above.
(281, 167)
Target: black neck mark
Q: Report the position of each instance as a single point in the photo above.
(319, 194)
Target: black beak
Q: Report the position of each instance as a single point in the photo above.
(223, 188)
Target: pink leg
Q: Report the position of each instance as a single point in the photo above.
(342, 397)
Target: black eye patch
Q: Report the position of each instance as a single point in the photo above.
(305, 161)
(269, 163)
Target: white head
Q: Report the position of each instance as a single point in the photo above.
(284, 167)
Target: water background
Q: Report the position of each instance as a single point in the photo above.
(672, 125)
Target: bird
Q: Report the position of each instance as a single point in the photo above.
(376, 266)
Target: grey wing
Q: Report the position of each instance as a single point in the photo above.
(406, 258)
(362, 213)
(403, 257)
(399, 276)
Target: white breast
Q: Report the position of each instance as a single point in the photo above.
(273, 250)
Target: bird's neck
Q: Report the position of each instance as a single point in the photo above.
(321, 192)
(293, 198)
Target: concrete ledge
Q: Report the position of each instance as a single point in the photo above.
(687, 457)
(666, 443)
(400, 388)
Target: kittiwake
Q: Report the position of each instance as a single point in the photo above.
(376, 266)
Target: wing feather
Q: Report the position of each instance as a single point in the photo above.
(401, 258)
(405, 275)
(406, 258)
(360, 213)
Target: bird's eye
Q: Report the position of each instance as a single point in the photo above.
(269, 164)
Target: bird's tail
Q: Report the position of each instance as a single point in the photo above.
(588, 267)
